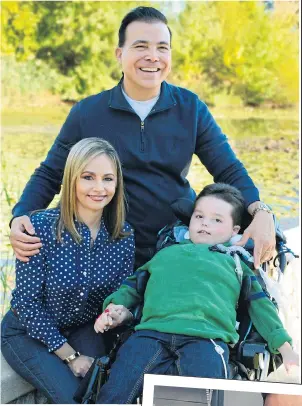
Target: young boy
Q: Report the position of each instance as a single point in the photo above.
(189, 312)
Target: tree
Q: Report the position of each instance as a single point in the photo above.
(18, 27)
(240, 48)
(235, 47)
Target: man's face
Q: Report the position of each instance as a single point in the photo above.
(145, 58)
(211, 222)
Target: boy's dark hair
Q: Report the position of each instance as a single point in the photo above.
(229, 194)
(145, 14)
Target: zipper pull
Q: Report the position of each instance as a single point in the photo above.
(142, 136)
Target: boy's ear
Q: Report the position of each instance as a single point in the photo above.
(235, 230)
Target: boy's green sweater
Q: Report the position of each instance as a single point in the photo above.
(194, 291)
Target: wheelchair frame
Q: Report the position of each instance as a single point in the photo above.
(249, 358)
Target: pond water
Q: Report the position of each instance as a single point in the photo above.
(269, 149)
(268, 146)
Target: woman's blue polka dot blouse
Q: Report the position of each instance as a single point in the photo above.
(65, 284)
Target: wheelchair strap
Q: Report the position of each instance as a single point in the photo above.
(209, 393)
(132, 284)
(256, 296)
(238, 268)
(234, 249)
(235, 252)
(270, 287)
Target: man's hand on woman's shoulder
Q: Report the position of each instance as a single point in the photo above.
(22, 238)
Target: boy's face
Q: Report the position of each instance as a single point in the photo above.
(211, 222)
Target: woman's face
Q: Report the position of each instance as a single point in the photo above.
(96, 185)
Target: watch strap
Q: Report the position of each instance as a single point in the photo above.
(262, 207)
(71, 357)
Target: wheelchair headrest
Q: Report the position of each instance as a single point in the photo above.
(183, 209)
(280, 237)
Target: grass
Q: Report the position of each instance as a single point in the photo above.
(35, 115)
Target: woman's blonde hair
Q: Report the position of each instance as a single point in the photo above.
(114, 213)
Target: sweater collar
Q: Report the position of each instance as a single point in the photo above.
(165, 101)
(226, 244)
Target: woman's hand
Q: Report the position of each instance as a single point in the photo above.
(113, 316)
(102, 323)
(80, 366)
(24, 245)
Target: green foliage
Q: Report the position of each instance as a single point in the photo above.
(25, 81)
(18, 28)
(239, 48)
(7, 282)
(78, 40)
(75, 39)
(236, 47)
(193, 45)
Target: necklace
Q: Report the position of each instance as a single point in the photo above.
(93, 235)
(91, 242)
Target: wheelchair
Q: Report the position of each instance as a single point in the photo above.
(249, 358)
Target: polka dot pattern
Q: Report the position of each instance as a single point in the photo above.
(66, 283)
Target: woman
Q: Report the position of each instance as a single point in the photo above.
(87, 251)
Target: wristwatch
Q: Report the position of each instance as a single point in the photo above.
(262, 207)
(71, 357)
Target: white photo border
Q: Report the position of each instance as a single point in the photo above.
(150, 381)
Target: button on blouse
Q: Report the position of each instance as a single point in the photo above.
(66, 283)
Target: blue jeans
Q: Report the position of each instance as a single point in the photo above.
(44, 370)
(152, 352)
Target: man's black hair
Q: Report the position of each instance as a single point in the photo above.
(145, 14)
(229, 194)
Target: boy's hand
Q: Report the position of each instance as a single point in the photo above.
(113, 316)
(103, 322)
(119, 314)
(289, 356)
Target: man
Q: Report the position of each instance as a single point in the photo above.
(156, 128)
